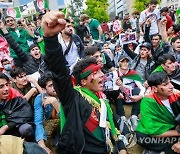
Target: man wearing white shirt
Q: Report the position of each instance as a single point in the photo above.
(152, 13)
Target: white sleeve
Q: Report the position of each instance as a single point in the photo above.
(158, 14)
(142, 17)
(140, 86)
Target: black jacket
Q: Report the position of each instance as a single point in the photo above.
(175, 78)
(162, 48)
(18, 110)
(150, 66)
(82, 31)
(30, 64)
(77, 110)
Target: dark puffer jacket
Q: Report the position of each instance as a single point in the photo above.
(30, 64)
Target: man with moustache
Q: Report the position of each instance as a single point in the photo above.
(72, 45)
(84, 128)
(160, 116)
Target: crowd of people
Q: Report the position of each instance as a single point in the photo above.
(52, 78)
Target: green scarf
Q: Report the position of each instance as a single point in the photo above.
(155, 117)
(95, 102)
(158, 69)
(41, 44)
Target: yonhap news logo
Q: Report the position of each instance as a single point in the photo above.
(152, 140)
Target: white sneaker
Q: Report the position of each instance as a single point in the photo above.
(133, 122)
(123, 125)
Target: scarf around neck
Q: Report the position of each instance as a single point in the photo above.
(95, 102)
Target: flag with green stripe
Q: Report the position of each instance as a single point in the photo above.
(132, 74)
(13, 12)
(155, 118)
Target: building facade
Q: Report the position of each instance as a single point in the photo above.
(120, 7)
(112, 9)
(175, 4)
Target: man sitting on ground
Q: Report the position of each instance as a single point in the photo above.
(168, 65)
(160, 116)
(7, 66)
(22, 83)
(131, 91)
(18, 112)
(46, 106)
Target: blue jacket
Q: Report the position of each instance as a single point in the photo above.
(40, 133)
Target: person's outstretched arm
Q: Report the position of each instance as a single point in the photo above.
(53, 22)
(13, 44)
(130, 53)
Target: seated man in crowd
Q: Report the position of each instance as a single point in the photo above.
(176, 47)
(22, 83)
(107, 50)
(159, 42)
(7, 66)
(168, 65)
(173, 31)
(118, 52)
(142, 62)
(46, 106)
(131, 91)
(101, 58)
(33, 62)
(84, 130)
(158, 127)
(20, 35)
(20, 120)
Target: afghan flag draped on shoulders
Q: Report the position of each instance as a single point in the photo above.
(133, 75)
(95, 102)
(155, 118)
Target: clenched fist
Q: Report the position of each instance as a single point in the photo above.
(52, 23)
